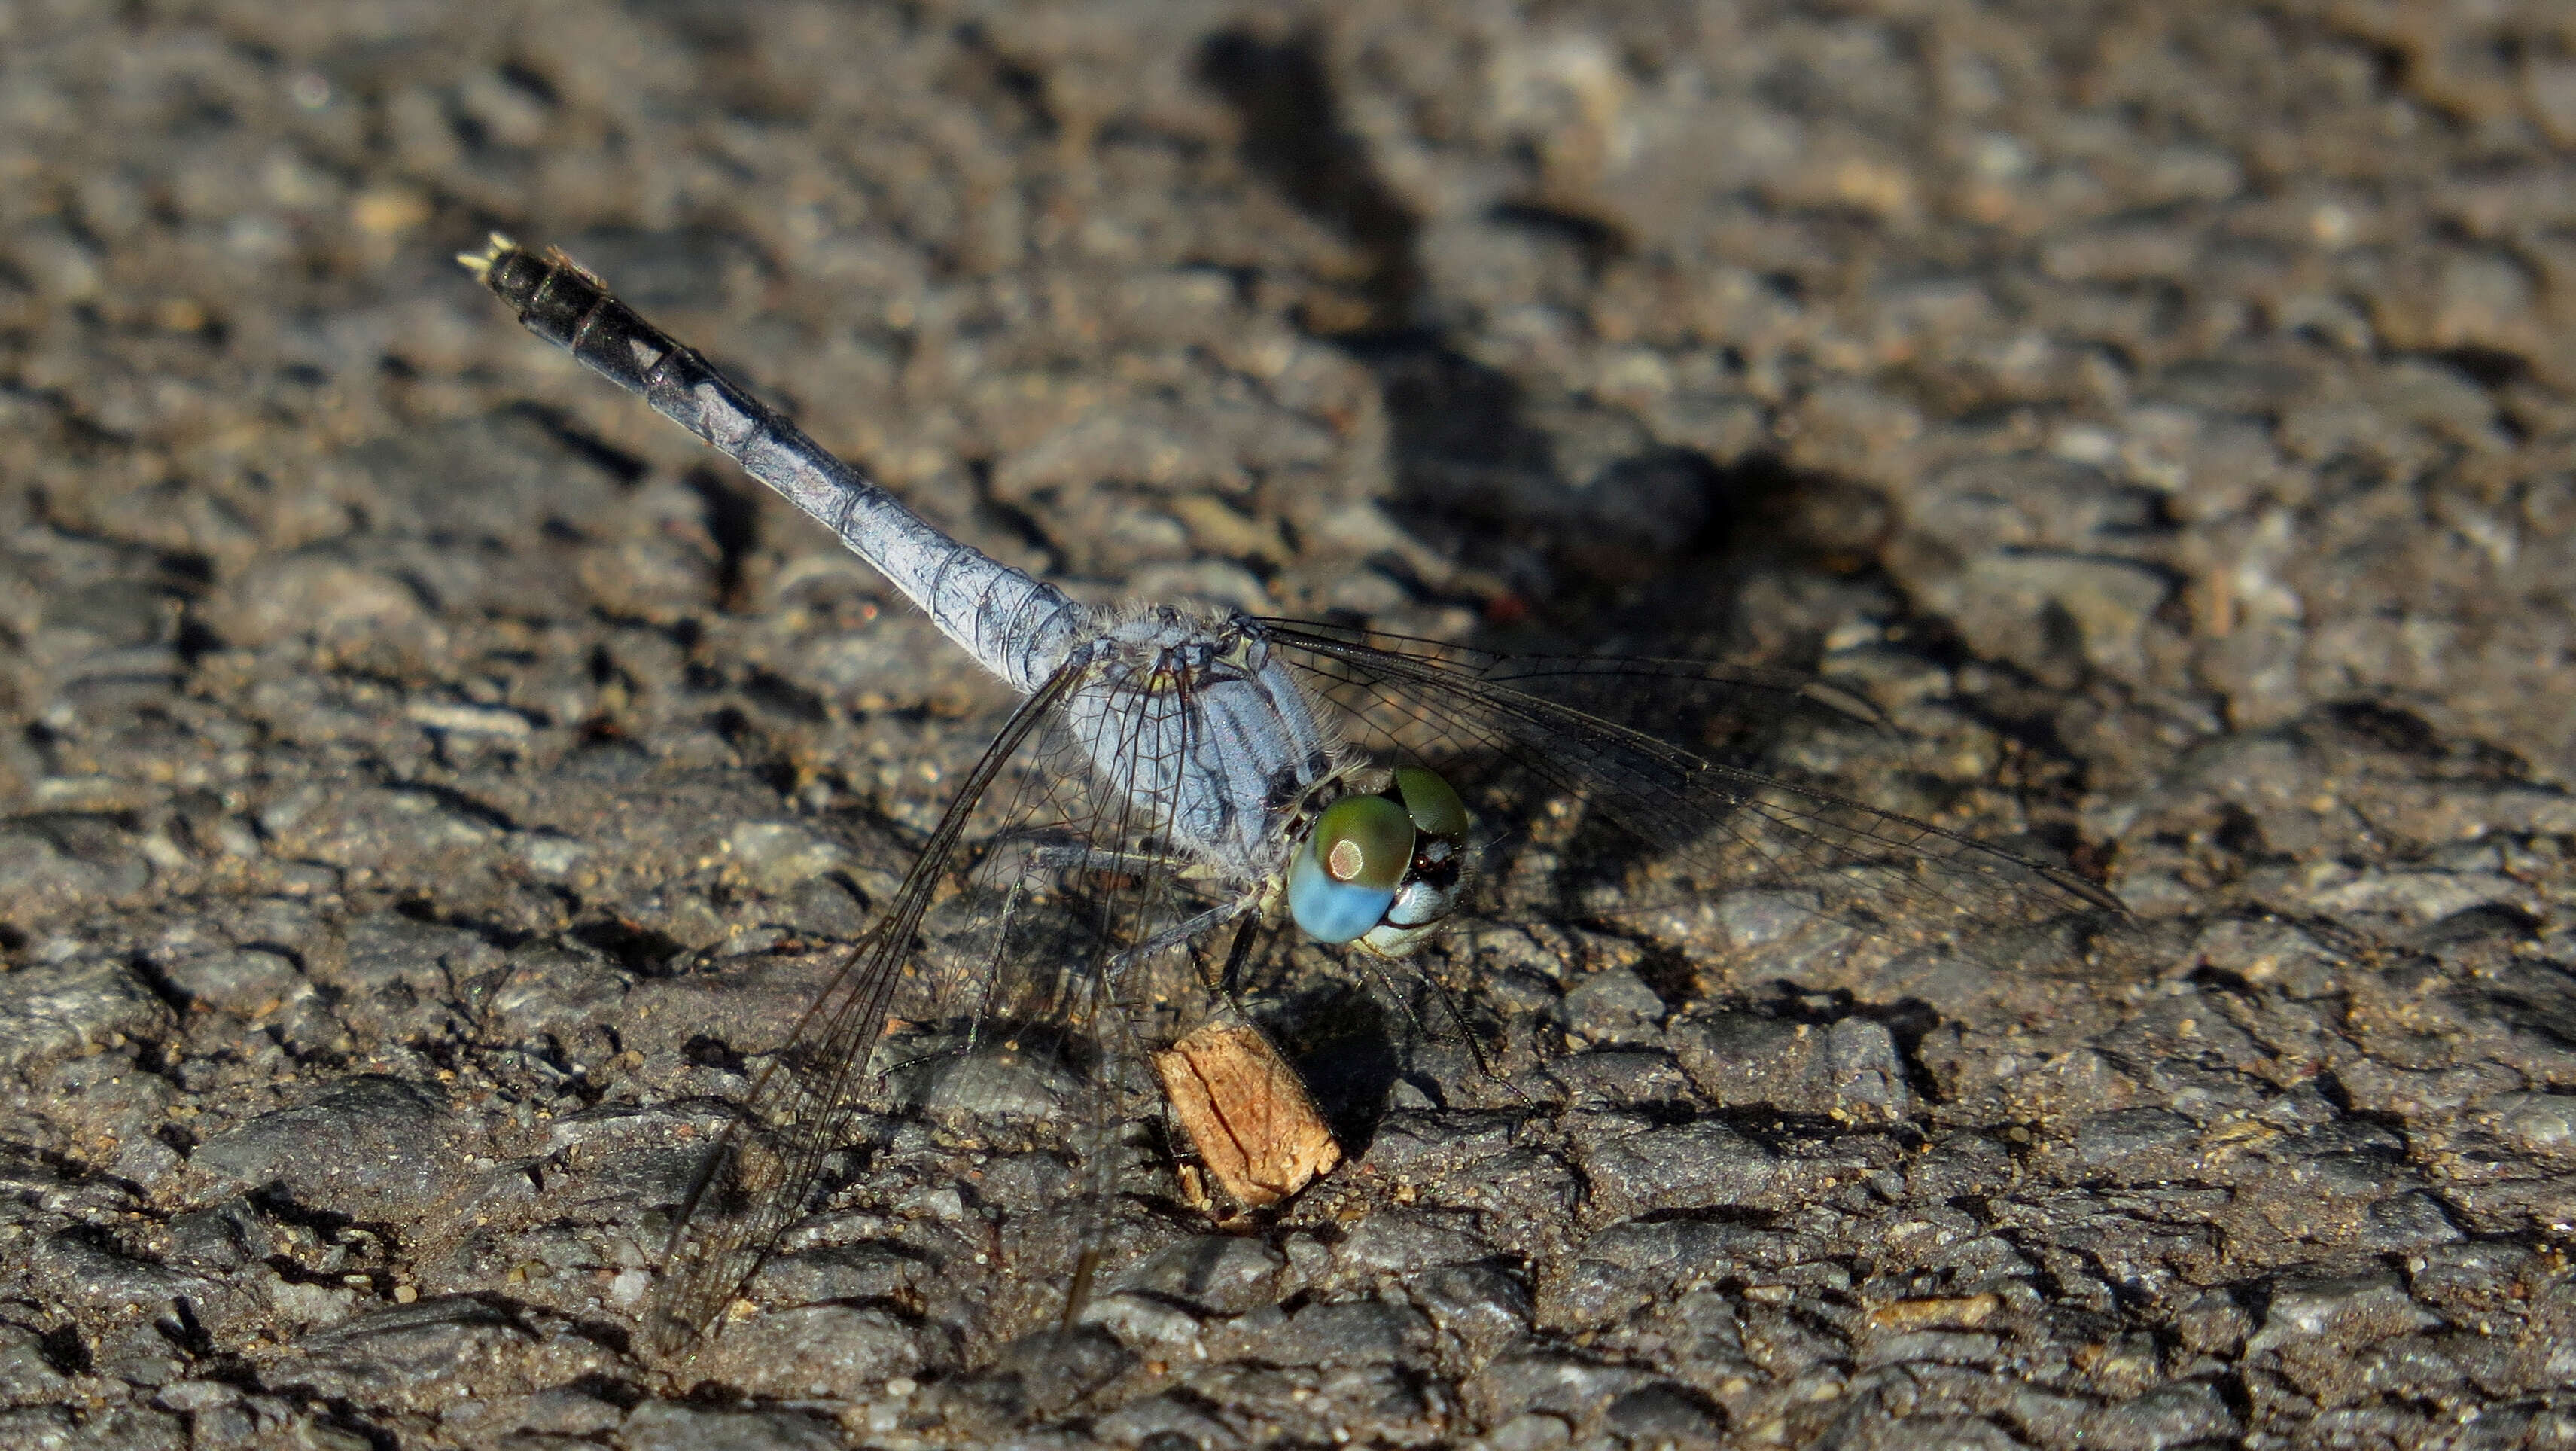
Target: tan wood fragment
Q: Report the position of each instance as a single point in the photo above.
(1256, 1129)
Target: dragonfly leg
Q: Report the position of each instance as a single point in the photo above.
(1187, 930)
(1098, 859)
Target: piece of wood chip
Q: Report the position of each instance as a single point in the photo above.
(1256, 1129)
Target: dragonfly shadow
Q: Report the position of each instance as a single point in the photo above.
(1572, 525)
(1336, 1034)
(1292, 137)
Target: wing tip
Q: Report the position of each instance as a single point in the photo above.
(2091, 892)
(1848, 703)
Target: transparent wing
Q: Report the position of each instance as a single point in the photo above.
(762, 1174)
(1621, 785)
(1047, 909)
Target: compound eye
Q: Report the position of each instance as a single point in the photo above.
(1346, 874)
(1430, 801)
(1363, 841)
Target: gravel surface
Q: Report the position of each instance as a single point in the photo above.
(429, 782)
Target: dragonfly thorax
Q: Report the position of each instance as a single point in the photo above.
(1208, 736)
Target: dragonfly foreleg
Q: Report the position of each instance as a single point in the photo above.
(1181, 934)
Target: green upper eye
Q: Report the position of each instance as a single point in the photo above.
(1365, 841)
(1431, 802)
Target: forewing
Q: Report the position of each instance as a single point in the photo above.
(1105, 861)
(1092, 922)
(1061, 880)
(1564, 785)
(760, 1177)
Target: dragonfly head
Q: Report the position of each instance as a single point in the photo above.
(1382, 870)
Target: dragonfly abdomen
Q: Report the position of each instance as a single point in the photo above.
(563, 303)
(1015, 626)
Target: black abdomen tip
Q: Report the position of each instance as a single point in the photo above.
(554, 296)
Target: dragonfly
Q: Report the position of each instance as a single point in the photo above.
(1176, 778)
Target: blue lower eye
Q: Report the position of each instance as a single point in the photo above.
(1331, 911)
